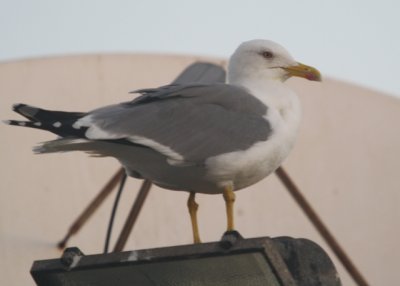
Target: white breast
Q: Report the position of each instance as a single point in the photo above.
(244, 168)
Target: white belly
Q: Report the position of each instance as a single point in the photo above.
(244, 168)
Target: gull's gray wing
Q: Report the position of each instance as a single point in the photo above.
(186, 123)
(201, 72)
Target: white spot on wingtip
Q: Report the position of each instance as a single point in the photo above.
(21, 123)
(37, 123)
(7, 122)
(57, 124)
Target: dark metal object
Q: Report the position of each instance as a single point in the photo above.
(229, 239)
(133, 215)
(113, 212)
(92, 207)
(71, 255)
(321, 228)
(257, 261)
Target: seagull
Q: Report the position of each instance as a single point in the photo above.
(200, 138)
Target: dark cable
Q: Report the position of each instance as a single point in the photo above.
(133, 215)
(113, 212)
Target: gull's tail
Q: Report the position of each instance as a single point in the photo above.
(94, 148)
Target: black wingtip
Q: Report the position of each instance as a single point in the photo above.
(25, 110)
(17, 106)
(16, 122)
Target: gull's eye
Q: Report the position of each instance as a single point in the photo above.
(267, 54)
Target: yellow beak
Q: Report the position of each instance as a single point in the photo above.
(304, 71)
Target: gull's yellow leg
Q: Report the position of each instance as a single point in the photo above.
(229, 197)
(193, 206)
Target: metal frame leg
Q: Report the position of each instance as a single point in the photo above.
(321, 228)
(133, 215)
(92, 207)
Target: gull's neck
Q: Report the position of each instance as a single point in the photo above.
(283, 104)
(271, 91)
(266, 84)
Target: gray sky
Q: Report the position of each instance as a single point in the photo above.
(356, 41)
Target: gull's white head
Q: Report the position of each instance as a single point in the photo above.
(266, 60)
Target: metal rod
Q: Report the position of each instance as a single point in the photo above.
(321, 228)
(133, 215)
(92, 207)
(113, 212)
